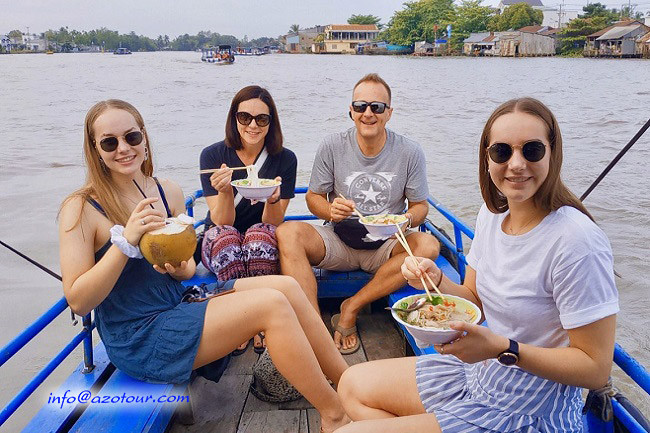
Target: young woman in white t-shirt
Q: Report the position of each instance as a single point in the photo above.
(542, 273)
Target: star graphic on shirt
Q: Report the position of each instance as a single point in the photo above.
(371, 194)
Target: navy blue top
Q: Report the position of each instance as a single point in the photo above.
(148, 332)
(283, 164)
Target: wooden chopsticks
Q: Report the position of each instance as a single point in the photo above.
(402, 240)
(212, 170)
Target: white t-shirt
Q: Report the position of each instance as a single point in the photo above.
(535, 286)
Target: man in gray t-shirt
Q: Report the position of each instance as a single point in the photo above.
(372, 170)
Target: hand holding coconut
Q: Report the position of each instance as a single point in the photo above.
(143, 219)
(178, 272)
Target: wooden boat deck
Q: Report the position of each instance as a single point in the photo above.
(229, 407)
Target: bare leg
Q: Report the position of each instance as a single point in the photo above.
(301, 247)
(329, 358)
(368, 392)
(386, 280)
(232, 318)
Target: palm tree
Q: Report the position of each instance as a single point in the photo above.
(294, 28)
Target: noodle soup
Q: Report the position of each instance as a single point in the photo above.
(430, 324)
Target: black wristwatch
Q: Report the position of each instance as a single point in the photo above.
(510, 356)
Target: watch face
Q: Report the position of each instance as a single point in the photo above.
(508, 358)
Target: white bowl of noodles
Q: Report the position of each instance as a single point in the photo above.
(383, 225)
(431, 327)
(256, 189)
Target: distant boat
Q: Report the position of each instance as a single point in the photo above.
(49, 52)
(221, 55)
(121, 51)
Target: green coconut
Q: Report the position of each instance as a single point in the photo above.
(171, 244)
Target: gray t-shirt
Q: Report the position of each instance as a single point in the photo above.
(378, 184)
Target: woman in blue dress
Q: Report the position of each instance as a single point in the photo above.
(541, 271)
(148, 331)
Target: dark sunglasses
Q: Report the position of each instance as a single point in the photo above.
(375, 107)
(109, 144)
(533, 151)
(246, 118)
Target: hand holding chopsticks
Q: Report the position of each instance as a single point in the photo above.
(402, 240)
(354, 209)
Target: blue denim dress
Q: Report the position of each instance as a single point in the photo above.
(148, 332)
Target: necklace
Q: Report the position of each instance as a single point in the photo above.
(522, 228)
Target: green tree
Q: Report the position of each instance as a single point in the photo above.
(471, 17)
(294, 28)
(418, 20)
(15, 34)
(600, 10)
(365, 19)
(574, 36)
(515, 17)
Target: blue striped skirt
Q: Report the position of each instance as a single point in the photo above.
(490, 397)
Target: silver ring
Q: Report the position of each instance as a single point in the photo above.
(142, 221)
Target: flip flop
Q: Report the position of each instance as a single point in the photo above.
(238, 352)
(344, 333)
(259, 349)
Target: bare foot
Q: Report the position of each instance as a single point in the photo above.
(348, 319)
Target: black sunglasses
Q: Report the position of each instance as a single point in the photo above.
(246, 118)
(375, 107)
(109, 144)
(533, 151)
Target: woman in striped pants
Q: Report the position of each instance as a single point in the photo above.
(541, 271)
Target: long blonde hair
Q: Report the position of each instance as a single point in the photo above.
(552, 194)
(99, 181)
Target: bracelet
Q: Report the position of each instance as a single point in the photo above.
(118, 239)
(440, 282)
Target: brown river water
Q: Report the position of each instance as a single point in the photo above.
(440, 102)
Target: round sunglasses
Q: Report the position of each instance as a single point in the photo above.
(245, 118)
(133, 138)
(533, 151)
(375, 106)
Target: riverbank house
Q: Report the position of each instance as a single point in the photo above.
(531, 41)
(344, 38)
(617, 40)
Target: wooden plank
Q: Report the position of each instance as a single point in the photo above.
(217, 406)
(313, 420)
(243, 364)
(279, 421)
(380, 336)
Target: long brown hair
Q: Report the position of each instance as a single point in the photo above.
(273, 139)
(552, 194)
(99, 182)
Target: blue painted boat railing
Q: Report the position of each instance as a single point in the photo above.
(27, 335)
(628, 364)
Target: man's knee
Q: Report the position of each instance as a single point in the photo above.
(425, 245)
(290, 234)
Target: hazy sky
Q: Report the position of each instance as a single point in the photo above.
(253, 18)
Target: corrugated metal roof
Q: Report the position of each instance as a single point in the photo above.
(532, 29)
(617, 33)
(645, 38)
(354, 27)
(476, 37)
(530, 2)
(490, 38)
(606, 29)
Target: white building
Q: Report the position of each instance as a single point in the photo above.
(553, 16)
(33, 43)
